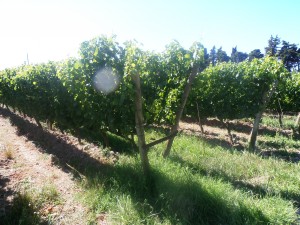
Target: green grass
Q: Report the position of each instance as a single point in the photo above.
(279, 142)
(197, 184)
(28, 202)
(47, 195)
(288, 121)
(282, 144)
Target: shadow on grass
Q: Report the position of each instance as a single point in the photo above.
(16, 208)
(213, 140)
(183, 202)
(245, 128)
(180, 202)
(254, 188)
(280, 144)
(22, 211)
(293, 157)
(5, 193)
(113, 141)
(225, 144)
(213, 122)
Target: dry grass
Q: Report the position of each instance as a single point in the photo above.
(8, 151)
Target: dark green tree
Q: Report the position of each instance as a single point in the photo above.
(213, 56)
(289, 54)
(272, 48)
(298, 63)
(206, 58)
(237, 56)
(298, 60)
(222, 56)
(255, 54)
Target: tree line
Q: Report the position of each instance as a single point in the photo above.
(287, 52)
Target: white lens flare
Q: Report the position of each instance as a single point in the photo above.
(106, 80)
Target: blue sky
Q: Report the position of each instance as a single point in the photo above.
(53, 30)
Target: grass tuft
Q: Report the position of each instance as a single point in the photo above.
(8, 152)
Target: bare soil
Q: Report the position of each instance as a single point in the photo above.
(31, 157)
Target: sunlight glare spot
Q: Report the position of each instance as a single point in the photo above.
(106, 80)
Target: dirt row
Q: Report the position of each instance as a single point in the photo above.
(24, 165)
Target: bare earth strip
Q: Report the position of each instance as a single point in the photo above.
(31, 167)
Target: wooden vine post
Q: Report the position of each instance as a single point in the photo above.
(139, 121)
(297, 122)
(179, 112)
(265, 100)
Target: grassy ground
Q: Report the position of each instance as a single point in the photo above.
(199, 184)
(280, 142)
(272, 121)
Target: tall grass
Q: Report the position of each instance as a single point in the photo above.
(198, 184)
